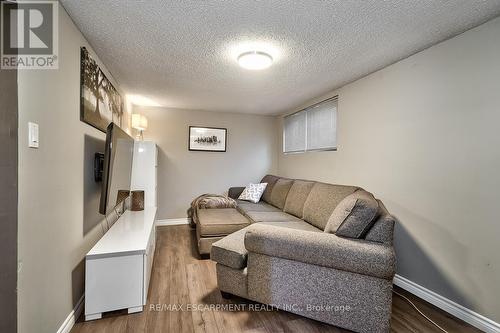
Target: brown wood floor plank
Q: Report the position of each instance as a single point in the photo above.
(180, 277)
(204, 321)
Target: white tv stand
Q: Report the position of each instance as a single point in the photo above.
(118, 267)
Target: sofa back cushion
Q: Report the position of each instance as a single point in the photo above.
(322, 200)
(297, 196)
(382, 230)
(270, 180)
(280, 192)
(353, 216)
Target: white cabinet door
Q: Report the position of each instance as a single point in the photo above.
(148, 264)
(144, 169)
(113, 283)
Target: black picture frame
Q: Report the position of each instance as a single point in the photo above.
(208, 146)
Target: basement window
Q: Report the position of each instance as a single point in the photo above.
(312, 129)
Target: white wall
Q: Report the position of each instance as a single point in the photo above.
(183, 175)
(58, 198)
(423, 135)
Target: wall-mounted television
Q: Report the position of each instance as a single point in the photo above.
(117, 170)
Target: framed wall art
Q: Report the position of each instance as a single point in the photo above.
(211, 139)
(100, 102)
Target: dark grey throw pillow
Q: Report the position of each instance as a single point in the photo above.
(354, 215)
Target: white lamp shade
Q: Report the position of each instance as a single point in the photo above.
(139, 122)
(136, 121)
(144, 122)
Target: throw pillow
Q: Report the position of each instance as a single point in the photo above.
(253, 192)
(354, 215)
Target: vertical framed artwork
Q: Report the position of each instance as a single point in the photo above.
(100, 102)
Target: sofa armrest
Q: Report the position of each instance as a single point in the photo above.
(234, 192)
(322, 249)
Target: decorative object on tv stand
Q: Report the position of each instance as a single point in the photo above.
(140, 123)
(121, 196)
(100, 102)
(137, 201)
(211, 139)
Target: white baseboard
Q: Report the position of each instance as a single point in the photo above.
(162, 223)
(69, 322)
(455, 309)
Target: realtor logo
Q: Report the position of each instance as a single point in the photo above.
(29, 35)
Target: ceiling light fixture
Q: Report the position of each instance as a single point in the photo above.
(255, 60)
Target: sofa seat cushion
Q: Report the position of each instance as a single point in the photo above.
(354, 215)
(245, 206)
(220, 222)
(230, 250)
(271, 217)
(322, 200)
(297, 225)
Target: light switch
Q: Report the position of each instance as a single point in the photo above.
(33, 135)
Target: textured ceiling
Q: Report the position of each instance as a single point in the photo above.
(182, 53)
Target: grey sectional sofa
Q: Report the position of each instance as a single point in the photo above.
(288, 253)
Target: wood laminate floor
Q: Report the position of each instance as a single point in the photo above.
(180, 278)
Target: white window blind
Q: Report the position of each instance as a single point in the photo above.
(314, 128)
(295, 133)
(322, 126)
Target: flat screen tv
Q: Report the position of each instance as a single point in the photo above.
(117, 169)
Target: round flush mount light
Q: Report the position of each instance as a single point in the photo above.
(255, 60)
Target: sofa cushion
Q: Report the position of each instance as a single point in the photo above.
(234, 192)
(271, 217)
(382, 230)
(220, 221)
(245, 206)
(297, 196)
(230, 251)
(297, 225)
(270, 180)
(354, 215)
(322, 200)
(280, 192)
(205, 242)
